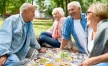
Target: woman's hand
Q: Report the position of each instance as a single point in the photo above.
(89, 62)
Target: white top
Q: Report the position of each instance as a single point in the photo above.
(79, 32)
(90, 41)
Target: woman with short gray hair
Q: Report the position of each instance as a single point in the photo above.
(53, 36)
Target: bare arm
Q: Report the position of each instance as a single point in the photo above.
(102, 58)
(63, 44)
(95, 60)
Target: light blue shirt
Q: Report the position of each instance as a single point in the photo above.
(13, 38)
(68, 29)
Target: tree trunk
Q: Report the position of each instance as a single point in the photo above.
(68, 1)
(4, 9)
(66, 11)
(62, 4)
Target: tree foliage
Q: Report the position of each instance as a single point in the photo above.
(12, 6)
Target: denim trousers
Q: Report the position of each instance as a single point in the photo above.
(12, 60)
(46, 37)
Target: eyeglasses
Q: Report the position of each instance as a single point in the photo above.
(87, 12)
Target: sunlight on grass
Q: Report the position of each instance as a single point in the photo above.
(41, 26)
(1, 21)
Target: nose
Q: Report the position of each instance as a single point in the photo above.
(54, 15)
(70, 11)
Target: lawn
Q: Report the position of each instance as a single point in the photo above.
(38, 25)
(1, 21)
(41, 25)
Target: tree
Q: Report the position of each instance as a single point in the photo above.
(3, 8)
(10, 7)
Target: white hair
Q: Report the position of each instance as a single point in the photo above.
(25, 6)
(74, 3)
(60, 10)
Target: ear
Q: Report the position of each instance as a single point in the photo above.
(24, 11)
(78, 8)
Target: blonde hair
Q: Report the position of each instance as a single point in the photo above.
(60, 10)
(100, 9)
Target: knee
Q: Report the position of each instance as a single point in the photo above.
(42, 37)
(12, 60)
(17, 62)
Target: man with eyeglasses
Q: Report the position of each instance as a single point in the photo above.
(74, 24)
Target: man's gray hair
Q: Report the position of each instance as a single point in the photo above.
(74, 3)
(60, 10)
(25, 6)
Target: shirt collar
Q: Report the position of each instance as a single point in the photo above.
(22, 19)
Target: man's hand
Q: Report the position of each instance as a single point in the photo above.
(72, 50)
(42, 50)
(3, 59)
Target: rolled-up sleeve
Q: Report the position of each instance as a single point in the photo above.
(66, 32)
(5, 37)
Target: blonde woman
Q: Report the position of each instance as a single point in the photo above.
(97, 45)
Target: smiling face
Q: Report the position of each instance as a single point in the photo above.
(73, 11)
(56, 15)
(96, 12)
(91, 17)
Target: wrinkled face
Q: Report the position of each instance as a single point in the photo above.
(56, 15)
(90, 16)
(73, 11)
(30, 13)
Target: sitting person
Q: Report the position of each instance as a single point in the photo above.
(74, 25)
(17, 36)
(54, 34)
(97, 45)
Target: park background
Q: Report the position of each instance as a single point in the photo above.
(43, 18)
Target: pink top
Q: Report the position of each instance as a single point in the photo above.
(59, 29)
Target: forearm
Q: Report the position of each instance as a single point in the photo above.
(63, 43)
(101, 58)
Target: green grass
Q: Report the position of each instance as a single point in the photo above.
(38, 25)
(1, 21)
